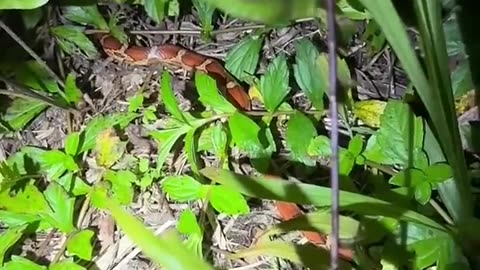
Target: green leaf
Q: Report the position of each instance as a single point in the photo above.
(245, 135)
(205, 13)
(242, 60)
(155, 9)
(181, 188)
(22, 111)
(72, 92)
(270, 12)
(396, 132)
(210, 95)
(423, 192)
(122, 185)
(438, 172)
(136, 102)
(274, 83)
(225, 200)
(14, 4)
(62, 207)
(191, 151)
(346, 162)
(85, 15)
(408, 178)
(355, 145)
(300, 131)
(282, 190)
(32, 17)
(319, 147)
(166, 251)
(70, 37)
(308, 74)
(80, 244)
(169, 97)
(74, 184)
(20, 263)
(29, 200)
(8, 238)
(12, 219)
(72, 142)
(166, 139)
(56, 163)
(187, 224)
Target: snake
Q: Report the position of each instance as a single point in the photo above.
(188, 60)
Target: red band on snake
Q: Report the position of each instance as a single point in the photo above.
(177, 56)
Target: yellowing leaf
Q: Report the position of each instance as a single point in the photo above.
(369, 111)
(108, 148)
(254, 93)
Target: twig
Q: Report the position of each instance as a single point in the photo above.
(332, 59)
(32, 53)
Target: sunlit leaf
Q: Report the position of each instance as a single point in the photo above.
(80, 244)
(210, 95)
(29, 4)
(300, 131)
(62, 207)
(242, 60)
(181, 188)
(8, 238)
(108, 148)
(274, 83)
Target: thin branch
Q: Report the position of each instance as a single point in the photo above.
(332, 59)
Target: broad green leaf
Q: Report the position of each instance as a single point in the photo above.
(74, 184)
(72, 92)
(108, 148)
(14, 4)
(270, 12)
(122, 185)
(346, 161)
(438, 172)
(169, 97)
(67, 264)
(281, 190)
(135, 102)
(274, 83)
(423, 192)
(242, 60)
(28, 200)
(225, 200)
(80, 244)
(210, 95)
(12, 219)
(22, 111)
(355, 145)
(20, 263)
(300, 131)
(408, 178)
(351, 12)
(245, 135)
(62, 207)
(181, 188)
(72, 142)
(165, 140)
(85, 15)
(55, 163)
(187, 223)
(8, 238)
(71, 37)
(308, 73)
(451, 256)
(319, 147)
(398, 128)
(166, 250)
(376, 39)
(155, 9)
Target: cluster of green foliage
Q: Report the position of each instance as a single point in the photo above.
(399, 218)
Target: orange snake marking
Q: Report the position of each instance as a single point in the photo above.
(179, 57)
